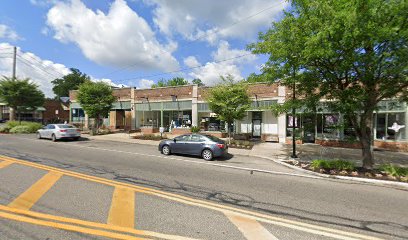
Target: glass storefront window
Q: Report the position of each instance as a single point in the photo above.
(391, 126)
(212, 124)
(396, 126)
(77, 115)
(289, 124)
(176, 119)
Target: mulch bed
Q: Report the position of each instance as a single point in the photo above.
(358, 172)
(248, 147)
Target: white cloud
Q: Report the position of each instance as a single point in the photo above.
(40, 71)
(191, 61)
(119, 38)
(7, 33)
(43, 3)
(215, 20)
(108, 81)
(145, 83)
(211, 72)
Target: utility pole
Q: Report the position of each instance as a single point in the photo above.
(12, 110)
(14, 62)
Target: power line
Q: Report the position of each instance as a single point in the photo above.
(205, 35)
(184, 69)
(42, 63)
(30, 64)
(38, 67)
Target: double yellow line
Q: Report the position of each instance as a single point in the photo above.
(228, 211)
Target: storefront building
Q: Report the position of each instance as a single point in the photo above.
(177, 109)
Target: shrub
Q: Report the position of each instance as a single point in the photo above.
(335, 164)
(195, 129)
(33, 126)
(342, 165)
(319, 163)
(394, 170)
(5, 129)
(30, 127)
(20, 129)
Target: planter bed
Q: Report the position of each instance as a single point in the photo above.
(357, 172)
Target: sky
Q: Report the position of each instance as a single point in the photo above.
(133, 43)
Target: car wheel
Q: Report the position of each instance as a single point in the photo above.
(53, 138)
(39, 136)
(207, 154)
(166, 150)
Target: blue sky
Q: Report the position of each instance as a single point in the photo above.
(134, 42)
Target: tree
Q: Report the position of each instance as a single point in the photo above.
(198, 82)
(229, 100)
(176, 81)
(20, 95)
(96, 99)
(352, 53)
(63, 85)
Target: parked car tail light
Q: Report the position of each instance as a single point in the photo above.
(78, 130)
(220, 145)
(63, 130)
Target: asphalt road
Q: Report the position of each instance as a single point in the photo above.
(147, 195)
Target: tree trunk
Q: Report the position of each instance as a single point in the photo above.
(229, 133)
(12, 114)
(366, 140)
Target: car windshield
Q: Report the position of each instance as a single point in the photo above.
(65, 126)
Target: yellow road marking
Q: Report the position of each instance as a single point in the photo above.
(251, 229)
(47, 217)
(315, 229)
(27, 199)
(66, 226)
(122, 211)
(5, 164)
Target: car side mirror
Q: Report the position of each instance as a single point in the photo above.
(174, 140)
(44, 128)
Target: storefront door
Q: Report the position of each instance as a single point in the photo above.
(256, 124)
(256, 128)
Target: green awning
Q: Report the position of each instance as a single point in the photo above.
(74, 105)
(121, 105)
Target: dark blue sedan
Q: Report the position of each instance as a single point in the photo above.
(206, 146)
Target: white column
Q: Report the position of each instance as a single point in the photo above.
(282, 117)
(133, 108)
(282, 128)
(194, 106)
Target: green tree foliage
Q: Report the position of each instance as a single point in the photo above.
(352, 52)
(20, 94)
(177, 81)
(253, 78)
(96, 99)
(198, 82)
(62, 86)
(229, 100)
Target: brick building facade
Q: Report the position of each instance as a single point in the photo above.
(178, 108)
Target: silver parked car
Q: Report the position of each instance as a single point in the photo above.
(59, 131)
(206, 146)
